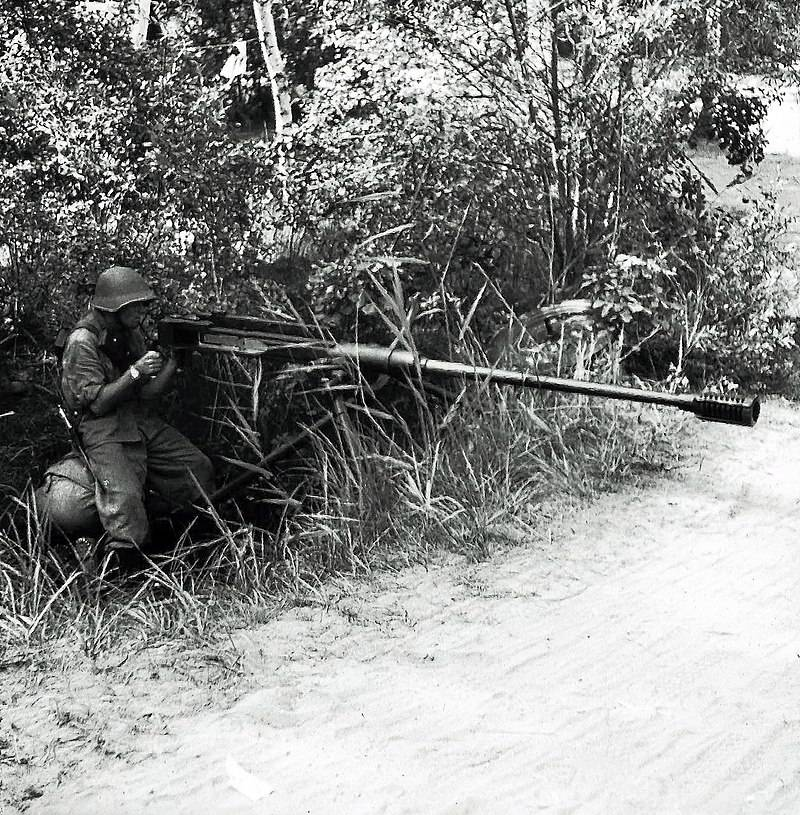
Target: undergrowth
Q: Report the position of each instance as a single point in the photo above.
(383, 486)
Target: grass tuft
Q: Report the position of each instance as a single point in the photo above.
(385, 483)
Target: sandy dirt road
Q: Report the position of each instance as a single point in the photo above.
(642, 658)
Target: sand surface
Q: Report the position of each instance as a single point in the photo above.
(639, 655)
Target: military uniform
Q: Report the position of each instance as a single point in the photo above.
(130, 449)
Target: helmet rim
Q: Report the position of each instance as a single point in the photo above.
(118, 287)
(109, 309)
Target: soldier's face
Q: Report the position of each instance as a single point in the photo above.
(132, 315)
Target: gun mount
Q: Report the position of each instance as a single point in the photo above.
(293, 342)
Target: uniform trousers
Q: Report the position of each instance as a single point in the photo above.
(161, 461)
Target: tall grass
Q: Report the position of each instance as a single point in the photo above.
(386, 485)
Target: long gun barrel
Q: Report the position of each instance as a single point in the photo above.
(292, 342)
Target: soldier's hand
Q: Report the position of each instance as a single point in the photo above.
(150, 364)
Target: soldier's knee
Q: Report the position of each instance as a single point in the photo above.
(123, 515)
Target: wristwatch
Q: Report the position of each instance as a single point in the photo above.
(134, 372)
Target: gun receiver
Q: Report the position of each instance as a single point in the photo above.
(292, 342)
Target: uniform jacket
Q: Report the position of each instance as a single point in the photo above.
(87, 368)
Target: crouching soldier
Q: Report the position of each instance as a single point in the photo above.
(108, 379)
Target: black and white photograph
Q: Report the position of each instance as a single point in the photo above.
(399, 407)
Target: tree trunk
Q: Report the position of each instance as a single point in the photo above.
(140, 22)
(265, 25)
(561, 157)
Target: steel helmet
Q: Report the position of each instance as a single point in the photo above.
(120, 286)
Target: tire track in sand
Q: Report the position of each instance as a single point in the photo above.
(647, 662)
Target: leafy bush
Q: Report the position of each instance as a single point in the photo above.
(730, 116)
(717, 308)
(113, 156)
(529, 172)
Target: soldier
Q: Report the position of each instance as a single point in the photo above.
(108, 380)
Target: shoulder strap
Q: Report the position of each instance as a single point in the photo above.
(63, 335)
(88, 325)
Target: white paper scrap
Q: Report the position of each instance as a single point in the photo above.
(248, 784)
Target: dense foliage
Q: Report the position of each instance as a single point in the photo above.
(484, 152)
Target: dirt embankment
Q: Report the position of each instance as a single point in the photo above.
(640, 655)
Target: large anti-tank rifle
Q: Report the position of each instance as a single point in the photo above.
(294, 342)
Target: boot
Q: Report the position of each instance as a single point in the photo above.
(125, 557)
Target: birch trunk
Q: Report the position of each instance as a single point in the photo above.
(141, 20)
(265, 25)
